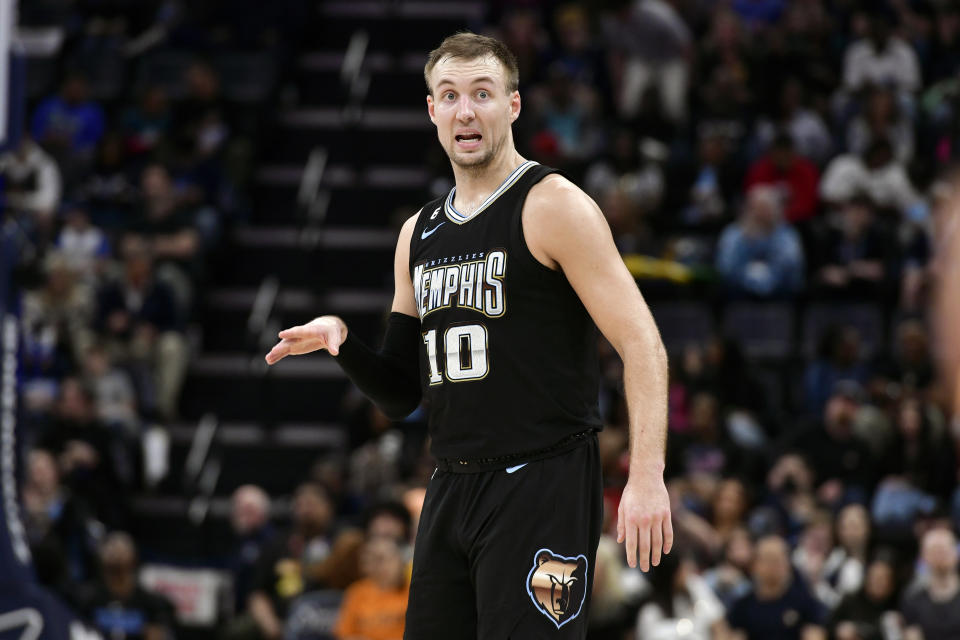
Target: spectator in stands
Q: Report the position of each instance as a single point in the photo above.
(870, 612)
(250, 520)
(881, 59)
(146, 125)
(31, 181)
(200, 128)
(286, 568)
(656, 45)
(115, 397)
(138, 316)
(911, 362)
(390, 520)
(111, 190)
(759, 255)
(58, 528)
(843, 463)
(790, 173)
(780, 605)
(791, 501)
(810, 557)
(634, 164)
(882, 118)
(70, 122)
(119, 606)
(93, 462)
(85, 247)
(726, 93)
(875, 173)
(730, 577)
(703, 191)
(845, 566)
(931, 611)
(838, 358)
(566, 113)
(853, 257)
(810, 135)
(704, 450)
(55, 321)
(918, 454)
(576, 51)
(167, 223)
(681, 605)
(375, 607)
(722, 369)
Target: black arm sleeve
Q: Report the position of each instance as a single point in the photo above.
(389, 377)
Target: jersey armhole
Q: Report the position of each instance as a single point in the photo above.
(528, 256)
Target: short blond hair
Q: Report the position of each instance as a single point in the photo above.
(468, 46)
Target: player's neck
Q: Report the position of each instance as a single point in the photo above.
(475, 184)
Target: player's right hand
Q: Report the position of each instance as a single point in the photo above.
(325, 332)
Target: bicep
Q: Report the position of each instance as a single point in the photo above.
(582, 245)
(403, 298)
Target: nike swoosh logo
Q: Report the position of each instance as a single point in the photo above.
(426, 234)
(517, 468)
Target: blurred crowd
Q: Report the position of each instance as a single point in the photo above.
(759, 150)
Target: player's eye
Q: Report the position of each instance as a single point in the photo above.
(483, 95)
(448, 95)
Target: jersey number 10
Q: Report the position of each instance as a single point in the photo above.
(465, 348)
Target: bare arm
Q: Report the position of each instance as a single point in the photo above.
(566, 230)
(261, 610)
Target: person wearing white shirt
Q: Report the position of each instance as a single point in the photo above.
(881, 59)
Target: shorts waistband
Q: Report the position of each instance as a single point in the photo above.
(476, 465)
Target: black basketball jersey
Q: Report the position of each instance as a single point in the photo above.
(508, 356)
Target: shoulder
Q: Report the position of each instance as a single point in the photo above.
(406, 232)
(407, 229)
(555, 189)
(559, 201)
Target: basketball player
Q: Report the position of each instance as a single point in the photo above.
(498, 286)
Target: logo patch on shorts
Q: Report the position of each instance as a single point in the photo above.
(558, 585)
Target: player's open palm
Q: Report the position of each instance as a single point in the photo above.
(325, 332)
(643, 520)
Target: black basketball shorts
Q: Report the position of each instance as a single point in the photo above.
(508, 553)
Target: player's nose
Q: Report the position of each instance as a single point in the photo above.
(465, 109)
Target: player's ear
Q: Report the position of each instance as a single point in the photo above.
(430, 109)
(514, 106)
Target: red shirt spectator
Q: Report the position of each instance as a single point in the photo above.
(797, 177)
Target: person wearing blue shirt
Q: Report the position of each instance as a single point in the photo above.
(780, 606)
(760, 255)
(69, 121)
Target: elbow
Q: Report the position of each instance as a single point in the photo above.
(401, 407)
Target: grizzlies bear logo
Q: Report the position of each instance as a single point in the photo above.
(558, 585)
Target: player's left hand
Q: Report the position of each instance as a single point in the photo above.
(643, 519)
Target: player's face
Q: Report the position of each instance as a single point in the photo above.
(472, 109)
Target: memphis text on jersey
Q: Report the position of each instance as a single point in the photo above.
(471, 281)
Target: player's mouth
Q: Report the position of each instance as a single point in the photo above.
(468, 140)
